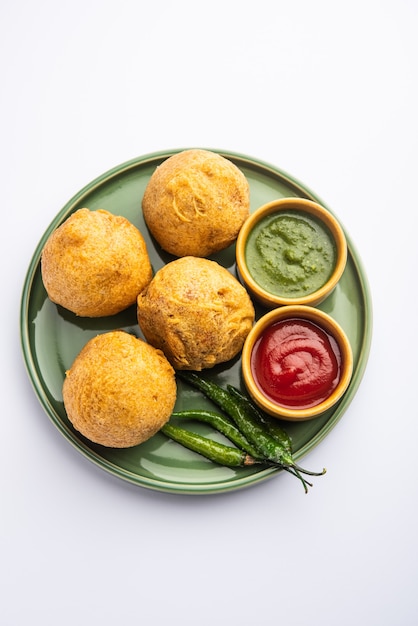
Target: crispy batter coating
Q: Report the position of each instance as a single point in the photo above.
(95, 264)
(195, 203)
(196, 312)
(119, 391)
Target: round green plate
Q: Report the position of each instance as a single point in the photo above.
(52, 337)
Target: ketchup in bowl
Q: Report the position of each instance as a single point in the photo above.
(296, 363)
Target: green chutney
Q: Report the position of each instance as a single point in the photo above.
(290, 254)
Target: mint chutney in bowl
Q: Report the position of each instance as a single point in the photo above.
(291, 251)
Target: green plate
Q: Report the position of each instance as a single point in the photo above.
(52, 337)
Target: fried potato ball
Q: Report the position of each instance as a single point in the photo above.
(95, 264)
(196, 312)
(119, 391)
(195, 203)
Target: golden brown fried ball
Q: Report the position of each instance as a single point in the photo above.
(119, 391)
(196, 312)
(95, 264)
(195, 203)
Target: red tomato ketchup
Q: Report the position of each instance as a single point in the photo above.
(296, 363)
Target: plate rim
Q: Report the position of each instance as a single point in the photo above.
(125, 474)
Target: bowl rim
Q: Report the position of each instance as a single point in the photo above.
(320, 213)
(325, 321)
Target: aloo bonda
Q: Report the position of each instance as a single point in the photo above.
(119, 390)
(195, 203)
(95, 264)
(196, 312)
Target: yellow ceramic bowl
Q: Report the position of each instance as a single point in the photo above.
(322, 217)
(252, 375)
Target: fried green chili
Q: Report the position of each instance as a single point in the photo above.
(223, 424)
(273, 427)
(212, 450)
(272, 443)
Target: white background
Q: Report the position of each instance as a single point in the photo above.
(325, 91)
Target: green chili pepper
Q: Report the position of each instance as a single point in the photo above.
(278, 435)
(245, 421)
(212, 450)
(253, 429)
(224, 425)
(275, 430)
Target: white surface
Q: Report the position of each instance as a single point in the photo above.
(324, 91)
